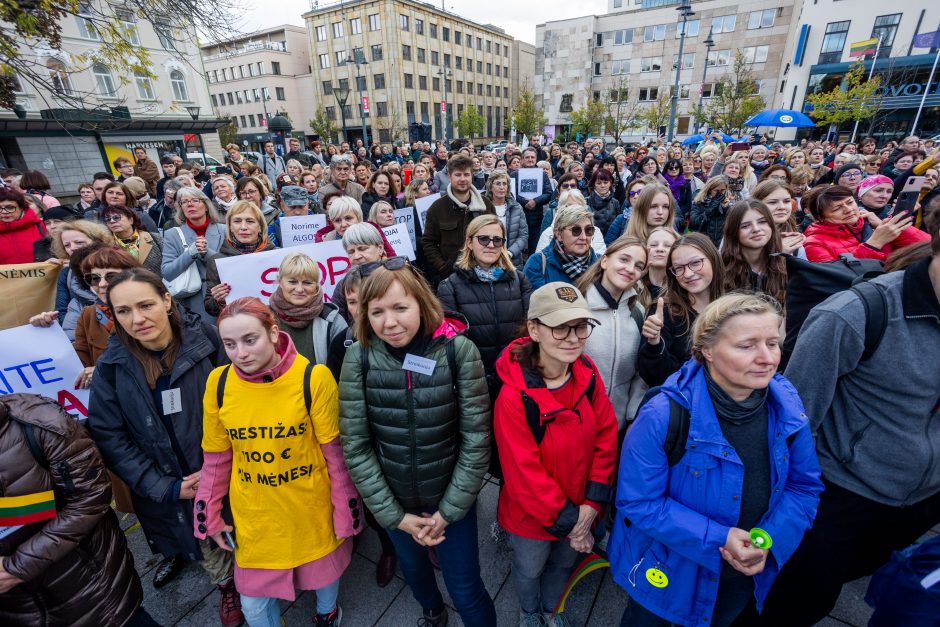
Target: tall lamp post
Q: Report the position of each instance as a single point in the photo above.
(342, 95)
(445, 76)
(685, 10)
(359, 59)
(709, 44)
(193, 111)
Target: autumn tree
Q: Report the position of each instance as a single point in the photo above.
(470, 123)
(621, 110)
(735, 98)
(228, 134)
(526, 116)
(855, 99)
(392, 124)
(589, 119)
(322, 125)
(656, 114)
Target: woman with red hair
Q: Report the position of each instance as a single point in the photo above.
(282, 470)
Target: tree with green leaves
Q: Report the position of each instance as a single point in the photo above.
(855, 99)
(470, 123)
(526, 116)
(26, 25)
(589, 120)
(228, 134)
(656, 114)
(735, 98)
(322, 125)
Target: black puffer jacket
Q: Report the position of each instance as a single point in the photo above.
(410, 443)
(708, 218)
(492, 309)
(604, 209)
(125, 422)
(76, 568)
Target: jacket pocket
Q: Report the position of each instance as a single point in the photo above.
(854, 443)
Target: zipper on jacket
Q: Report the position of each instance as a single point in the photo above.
(66, 473)
(412, 432)
(615, 323)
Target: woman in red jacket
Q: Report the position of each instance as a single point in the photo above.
(19, 228)
(557, 438)
(840, 227)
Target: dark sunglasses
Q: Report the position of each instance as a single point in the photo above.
(394, 263)
(487, 241)
(95, 279)
(674, 167)
(577, 230)
(569, 186)
(114, 217)
(636, 192)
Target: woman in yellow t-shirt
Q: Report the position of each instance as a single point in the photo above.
(271, 442)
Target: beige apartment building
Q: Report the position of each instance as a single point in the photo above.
(631, 53)
(254, 77)
(412, 59)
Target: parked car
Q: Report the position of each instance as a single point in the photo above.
(203, 159)
(499, 146)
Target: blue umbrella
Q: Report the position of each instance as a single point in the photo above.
(780, 117)
(693, 139)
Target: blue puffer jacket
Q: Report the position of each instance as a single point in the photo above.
(553, 272)
(674, 519)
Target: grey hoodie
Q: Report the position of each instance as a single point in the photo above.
(877, 423)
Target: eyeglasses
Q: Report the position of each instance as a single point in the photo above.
(114, 217)
(635, 192)
(487, 241)
(695, 265)
(394, 263)
(569, 186)
(854, 174)
(577, 230)
(190, 201)
(581, 331)
(673, 167)
(95, 279)
(9, 208)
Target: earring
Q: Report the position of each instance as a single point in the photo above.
(169, 312)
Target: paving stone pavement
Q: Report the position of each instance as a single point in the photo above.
(597, 601)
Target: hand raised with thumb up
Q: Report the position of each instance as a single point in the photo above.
(653, 325)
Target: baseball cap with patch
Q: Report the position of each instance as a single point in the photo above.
(294, 195)
(558, 303)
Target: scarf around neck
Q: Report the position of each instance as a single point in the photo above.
(675, 184)
(475, 202)
(287, 353)
(131, 245)
(573, 266)
(200, 230)
(292, 315)
(251, 247)
(730, 409)
(489, 276)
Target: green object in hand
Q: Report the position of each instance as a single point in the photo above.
(760, 538)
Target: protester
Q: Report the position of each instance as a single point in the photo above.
(535, 205)
(709, 209)
(252, 189)
(510, 213)
(556, 473)
(682, 553)
(340, 171)
(20, 228)
(119, 194)
(126, 227)
(146, 169)
(681, 189)
(382, 214)
(569, 254)
(379, 188)
(35, 184)
(748, 251)
(874, 194)
(365, 245)
(160, 358)
(422, 504)
(71, 292)
(654, 207)
(658, 246)
(601, 200)
(778, 198)
(53, 220)
(631, 194)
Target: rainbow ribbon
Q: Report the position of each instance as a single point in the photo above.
(587, 566)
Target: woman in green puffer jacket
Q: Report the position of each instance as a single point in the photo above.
(416, 424)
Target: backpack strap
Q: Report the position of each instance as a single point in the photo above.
(637, 316)
(220, 389)
(533, 413)
(677, 434)
(35, 450)
(308, 395)
(876, 315)
(544, 262)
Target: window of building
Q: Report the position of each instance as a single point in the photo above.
(403, 22)
(445, 33)
(145, 89)
(409, 81)
(422, 82)
(489, 46)
(321, 35)
(419, 26)
(458, 38)
(410, 110)
(86, 27)
(238, 98)
(459, 87)
(489, 69)
(257, 95)
(724, 24)
(324, 61)
(340, 57)
(435, 57)
(266, 93)
(648, 93)
(688, 60)
(499, 92)
(421, 55)
(241, 71)
(565, 106)
(165, 35)
(469, 65)
(435, 83)
(597, 69)
(252, 69)
(327, 88)
(260, 68)
(598, 40)
(330, 113)
(622, 37)
(355, 26)
(489, 90)
(103, 80)
(338, 29)
(755, 54)
(377, 52)
(248, 97)
(718, 58)
(620, 67)
(458, 63)
(479, 89)
(651, 64)
(654, 33)
(129, 23)
(479, 43)
(379, 81)
(432, 31)
(618, 4)
(279, 93)
(834, 42)
(692, 27)
(178, 83)
(479, 67)
(406, 52)
(505, 71)
(212, 98)
(275, 67)
(446, 60)
(381, 109)
(885, 28)
(374, 22)
(707, 90)
(761, 19)
(240, 119)
(425, 116)
(344, 83)
(228, 96)
(361, 83)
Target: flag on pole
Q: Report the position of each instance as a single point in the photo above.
(927, 40)
(863, 48)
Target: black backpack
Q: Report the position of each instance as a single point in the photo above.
(810, 283)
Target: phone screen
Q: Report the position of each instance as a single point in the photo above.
(739, 146)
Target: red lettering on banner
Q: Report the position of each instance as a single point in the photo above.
(268, 280)
(70, 403)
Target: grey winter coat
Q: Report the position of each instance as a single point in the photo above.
(177, 258)
(517, 231)
(81, 298)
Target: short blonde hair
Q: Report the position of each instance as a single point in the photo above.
(570, 215)
(466, 260)
(243, 206)
(298, 265)
(343, 205)
(94, 231)
(708, 325)
(374, 209)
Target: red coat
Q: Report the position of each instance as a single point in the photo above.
(17, 237)
(825, 241)
(544, 484)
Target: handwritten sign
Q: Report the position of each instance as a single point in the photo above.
(529, 183)
(41, 360)
(299, 230)
(406, 216)
(398, 238)
(256, 274)
(422, 205)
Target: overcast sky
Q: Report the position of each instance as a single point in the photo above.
(517, 17)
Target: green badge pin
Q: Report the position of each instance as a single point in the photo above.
(761, 539)
(657, 578)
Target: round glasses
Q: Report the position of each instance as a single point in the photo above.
(695, 265)
(577, 230)
(581, 331)
(487, 241)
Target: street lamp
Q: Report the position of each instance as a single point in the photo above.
(685, 10)
(709, 44)
(193, 111)
(342, 94)
(445, 75)
(359, 59)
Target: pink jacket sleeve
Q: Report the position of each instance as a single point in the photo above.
(213, 486)
(348, 510)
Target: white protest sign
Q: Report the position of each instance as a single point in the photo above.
(406, 216)
(398, 238)
(422, 205)
(41, 360)
(299, 230)
(530, 182)
(255, 274)
(512, 182)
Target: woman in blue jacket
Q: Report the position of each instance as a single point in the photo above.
(569, 253)
(706, 519)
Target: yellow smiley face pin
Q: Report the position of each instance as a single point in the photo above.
(657, 578)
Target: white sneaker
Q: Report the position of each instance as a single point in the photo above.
(530, 620)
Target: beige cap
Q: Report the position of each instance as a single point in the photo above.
(557, 303)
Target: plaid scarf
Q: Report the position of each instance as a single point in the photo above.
(573, 266)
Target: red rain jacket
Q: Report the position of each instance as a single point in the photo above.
(825, 241)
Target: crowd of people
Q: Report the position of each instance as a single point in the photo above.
(609, 350)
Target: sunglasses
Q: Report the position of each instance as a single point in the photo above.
(636, 192)
(577, 230)
(487, 241)
(674, 167)
(114, 217)
(95, 279)
(395, 263)
(569, 186)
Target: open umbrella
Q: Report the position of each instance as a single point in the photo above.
(781, 118)
(693, 139)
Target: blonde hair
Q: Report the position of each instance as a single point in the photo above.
(298, 265)
(92, 230)
(374, 210)
(638, 226)
(570, 197)
(244, 206)
(467, 261)
(709, 187)
(595, 272)
(709, 323)
(569, 215)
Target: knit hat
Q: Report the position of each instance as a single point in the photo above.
(848, 167)
(870, 182)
